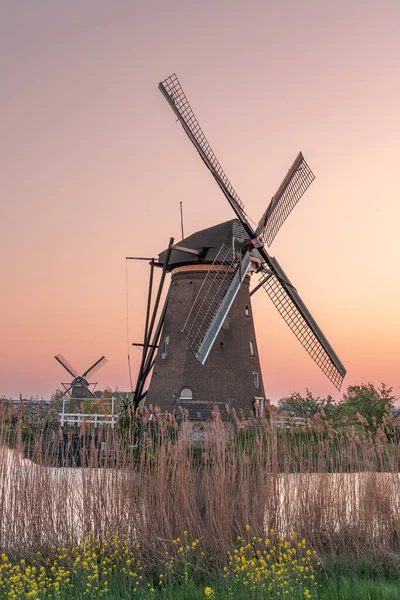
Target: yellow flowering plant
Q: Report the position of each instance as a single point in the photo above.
(87, 569)
(272, 566)
(257, 568)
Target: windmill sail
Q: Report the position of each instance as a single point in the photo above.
(298, 317)
(213, 301)
(67, 366)
(176, 98)
(95, 367)
(298, 179)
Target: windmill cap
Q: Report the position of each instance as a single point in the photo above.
(207, 242)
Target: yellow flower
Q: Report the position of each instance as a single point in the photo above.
(209, 592)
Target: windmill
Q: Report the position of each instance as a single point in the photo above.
(79, 387)
(205, 337)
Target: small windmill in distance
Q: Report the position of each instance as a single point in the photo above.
(79, 387)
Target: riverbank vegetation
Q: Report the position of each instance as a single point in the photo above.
(203, 517)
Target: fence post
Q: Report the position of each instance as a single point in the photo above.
(63, 411)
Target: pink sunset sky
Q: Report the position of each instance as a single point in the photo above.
(93, 167)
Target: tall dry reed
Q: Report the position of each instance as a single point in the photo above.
(338, 489)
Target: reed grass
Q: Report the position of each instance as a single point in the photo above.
(338, 489)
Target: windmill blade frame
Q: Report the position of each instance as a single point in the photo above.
(214, 300)
(67, 366)
(176, 98)
(299, 319)
(95, 367)
(294, 185)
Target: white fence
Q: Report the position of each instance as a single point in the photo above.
(79, 419)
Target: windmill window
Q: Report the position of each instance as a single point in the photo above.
(247, 310)
(256, 380)
(252, 348)
(186, 394)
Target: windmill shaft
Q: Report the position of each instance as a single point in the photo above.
(138, 258)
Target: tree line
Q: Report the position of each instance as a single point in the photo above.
(363, 404)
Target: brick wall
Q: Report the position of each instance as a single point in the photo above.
(227, 375)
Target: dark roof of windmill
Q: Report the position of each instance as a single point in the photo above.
(207, 241)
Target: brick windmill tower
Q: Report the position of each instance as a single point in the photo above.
(203, 349)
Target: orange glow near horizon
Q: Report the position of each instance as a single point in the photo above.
(94, 168)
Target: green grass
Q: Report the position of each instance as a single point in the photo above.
(359, 588)
(333, 586)
(363, 578)
(342, 588)
(338, 578)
